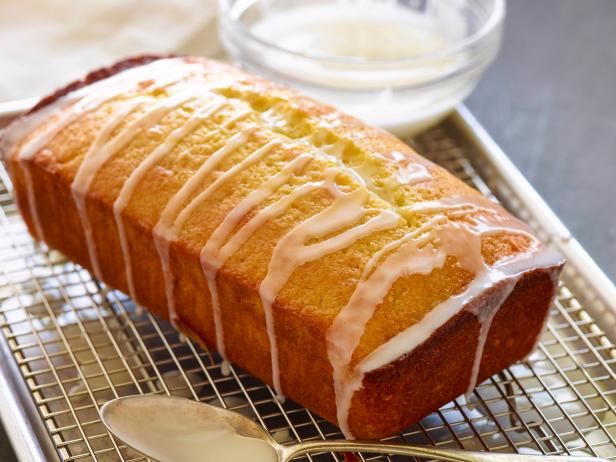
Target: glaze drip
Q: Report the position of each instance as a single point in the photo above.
(142, 169)
(454, 230)
(170, 222)
(214, 254)
(95, 159)
(73, 106)
(292, 251)
(411, 254)
(80, 185)
(405, 172)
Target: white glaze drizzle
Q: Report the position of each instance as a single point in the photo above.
(187, 212)
(292, 251)
(411, 254)
(80, 199)
(192, 206)
(464, 242)
(236, 118)
(215, 252)
(210, 275)
(462, 206)
(69, 108)
(428, 251)
(410, 174)
(31, 201)
(406, 172)
(102, 150)
(225, 368)
(544, 258)
(166, 229)
(485, 318)
(93, 96)
(137, 175)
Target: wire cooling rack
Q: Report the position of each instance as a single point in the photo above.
(75, 344)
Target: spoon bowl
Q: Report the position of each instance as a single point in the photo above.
(170, 429)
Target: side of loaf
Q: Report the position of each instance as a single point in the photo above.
(320, 254)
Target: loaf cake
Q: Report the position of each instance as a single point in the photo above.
(322, 255)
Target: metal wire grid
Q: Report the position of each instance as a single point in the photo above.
(78, 344)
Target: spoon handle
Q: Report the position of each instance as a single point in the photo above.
(457, 455)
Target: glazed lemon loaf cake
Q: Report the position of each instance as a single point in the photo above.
(320, 254)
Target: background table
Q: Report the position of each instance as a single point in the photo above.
(550, 102)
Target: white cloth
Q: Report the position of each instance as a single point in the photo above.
(45, 44)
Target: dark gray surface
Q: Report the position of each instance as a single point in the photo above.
(6, 452)
(550, 102)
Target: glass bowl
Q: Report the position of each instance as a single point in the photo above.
(398, 64)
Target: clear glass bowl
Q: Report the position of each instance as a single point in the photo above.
(399, 64)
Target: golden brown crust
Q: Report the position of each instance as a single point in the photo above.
(392, 396)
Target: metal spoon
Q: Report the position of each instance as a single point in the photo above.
(173, 429)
